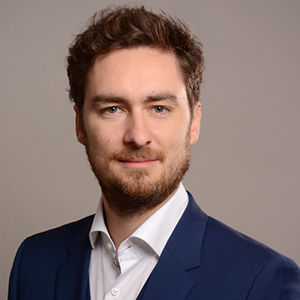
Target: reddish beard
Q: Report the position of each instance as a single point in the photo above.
(137, 192)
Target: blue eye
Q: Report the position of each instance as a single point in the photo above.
(159, 109)
(112, 109)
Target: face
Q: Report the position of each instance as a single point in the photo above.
(137, 127)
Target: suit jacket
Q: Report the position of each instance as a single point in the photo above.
(203, 259)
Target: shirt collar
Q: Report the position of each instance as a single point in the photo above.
(98, 225)
(156, 230)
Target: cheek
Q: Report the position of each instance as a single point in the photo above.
(103, 141)
(175, 140)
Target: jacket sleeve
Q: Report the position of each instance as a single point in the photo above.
(13, 292)
(278, 280)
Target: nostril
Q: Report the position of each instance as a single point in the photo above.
(137, 133)
(136, 141)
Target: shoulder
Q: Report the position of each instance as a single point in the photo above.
(54, 243)
(228, 240)
(38, 258)
(222, 248)
(232, 243)
(223, 243)
(239, 260)
(62, 234)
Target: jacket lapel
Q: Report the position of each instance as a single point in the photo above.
(72, 280)
(167, 281)
(170, 278)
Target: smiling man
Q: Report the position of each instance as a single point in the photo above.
(135, 80)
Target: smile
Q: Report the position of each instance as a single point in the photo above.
(138, 163)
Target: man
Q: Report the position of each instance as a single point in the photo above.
(135, 78)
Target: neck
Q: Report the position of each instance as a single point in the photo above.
(120, 227)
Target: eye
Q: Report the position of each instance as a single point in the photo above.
(111, 110)
(159, 109)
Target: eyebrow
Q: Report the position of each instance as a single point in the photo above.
(164, 96)
(107, 99)
(102, 98)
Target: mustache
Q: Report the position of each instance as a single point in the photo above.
(143, 153)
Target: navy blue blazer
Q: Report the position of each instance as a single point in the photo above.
(203, 259)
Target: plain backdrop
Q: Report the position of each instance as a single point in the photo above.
(245, 168)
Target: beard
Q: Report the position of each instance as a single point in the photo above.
(138, 191)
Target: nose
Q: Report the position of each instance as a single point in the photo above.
(137, 133)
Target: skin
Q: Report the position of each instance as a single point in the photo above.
(135, 99)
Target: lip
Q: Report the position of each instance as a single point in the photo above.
(138, 163)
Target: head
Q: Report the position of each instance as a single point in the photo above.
(135, 78)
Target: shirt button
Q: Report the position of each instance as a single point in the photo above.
(109, 246)
(115, 291)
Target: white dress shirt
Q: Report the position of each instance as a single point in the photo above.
(137, 255)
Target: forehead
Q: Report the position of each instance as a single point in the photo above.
(135, 73)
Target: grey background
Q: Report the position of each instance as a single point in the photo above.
(245, 168)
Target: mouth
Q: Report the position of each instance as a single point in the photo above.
(138, 162)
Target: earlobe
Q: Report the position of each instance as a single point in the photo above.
(196, 122)
(78, 123)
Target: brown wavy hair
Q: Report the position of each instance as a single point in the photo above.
(129, 27)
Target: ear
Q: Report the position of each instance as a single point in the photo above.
(196, 122)
(79, 127)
